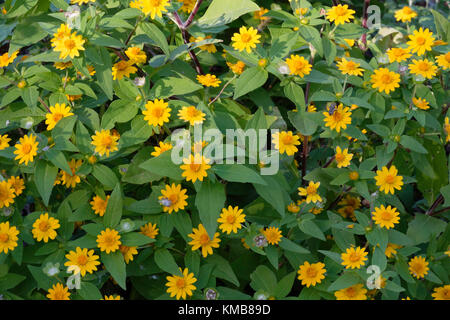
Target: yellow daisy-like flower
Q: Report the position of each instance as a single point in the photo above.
(386, 217)
(7, 194)
(173, 198)
(69, 46)
(8, 237)
(259, 14)
(84, 259)
(342, 157)
(347, 212)
(298, 65)
(4, 141)
(231, 219)
(151, 7)
(80, 2)
(292, 207)
(162, 148)
(398, 54)
(181, 287)
(104, 142)
(208, 80)
(195, 167)
(26, 149)
(156, 112)
(108, 240)
(211, 48)
(340, 14)
(444, 61)
(425, 68)
(99, 205)
(421, 103)
(354, 258)
(123, 69)
(310, 192)
(311, 274)
(201, 239)
(44, 228)
(272, 234)
(150, 230)
(388, 180)
(405, 14)
(246, 39)
(136, 55)
(338, 119)
(111, 297)
(391, 250)
(57, 112)
(17, 184)
(58, 292)
(188, 5)
(63, 32)
(237, 67)
(71, 180)
(385, 80)
(421, 41)
(286, 142)
(192, 115)
(350, 67)
(63, 65)
(418, 267)
(128, 253)
(356, 292)
(447, 129)
(441, 293)
(6, 59)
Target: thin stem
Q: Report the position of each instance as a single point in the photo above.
(221, 91)
(43, 103)
(364, 23)
(132, 31)
(329, 162)
(413, 96)
(304, 156)
(435, 204)
(192, 15)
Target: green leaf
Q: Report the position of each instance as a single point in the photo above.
(24, 35)
(310, 228)
(251, 79)
(44, 178)
(289, 245)
(413, 144)
(423, 227)
(285, 285)
(222, 12)
(347, 279)
(119, 111)
(173, 86)
(272, 193)
(222, 269)
(210, 200)
(113, 212)
(89, 291)
(115, 265)
(156, 35)
(105, 175)
(163, 166)
(103, 69)
(305, 122)
(165, 261)
(135, 239)
(295, 93)
(263, 279)
(238, 173)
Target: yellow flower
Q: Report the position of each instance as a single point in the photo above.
(108, 240)
(211, 48)
(444, 61)
(421, 103)
(418, 267)
(237, 68)
(354, 258)
(311, 274)
(385, 80)
(405, 14)
(421, 41)
(8, 237)
(191, 114)
(6, 59)
(298, 65)
(349, 67)
(150, 230)
(398, 54)
(58, 292)
(128, 253)
(195, 167)
(272, 234)
(246, 39)
(354, 175)
(340, 118)
(71, 180)
(151, 7)
(388, 180)
(64, 31)
(156, 112)
(343, 158)
(285, 142)
(111, 297)
(26, 149)
(201, 239)
(57, 112)
(44, 228)
(259, 14)
(181, 286)
(17, 184)
(69, 45)
(104, 142)
(162, 148)
(385, 217)
(4, 141)
(208, 80)
(447, 129)
(6, 194)
(425, 68)
(80, 2)
(82, 261)
(292, 207)
(123, 69)
(136, 55)
(63, 65)
(74, 97)
(231, 219)
(347, 212)
(173, 198)
(340, 14)
(262, 62)
(310, 192)
(99, 205)
(188, 5)
(356, 292)
(441, 293)
(391, 249)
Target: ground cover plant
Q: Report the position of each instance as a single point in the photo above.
(339, 188)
